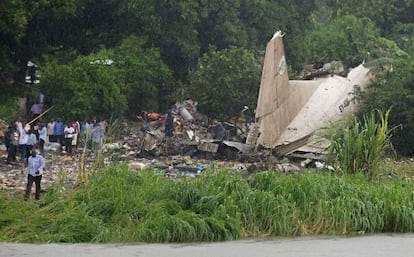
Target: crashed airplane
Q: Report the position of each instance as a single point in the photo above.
(289, 115)
(289, 112)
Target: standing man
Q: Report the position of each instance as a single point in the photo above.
(11, 140)
(7, 141)
(76, 127)
(169, 122)
(36, 166)
(68, 131)
(42, 137)
(50, 127)
(31, 142)
(24, 137)
(58, 131)
(14, 144)
(97, 137)
(36, 110)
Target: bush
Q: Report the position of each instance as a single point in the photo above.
(359, 148)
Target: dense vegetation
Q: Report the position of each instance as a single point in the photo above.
(170, 50)
(119, 205)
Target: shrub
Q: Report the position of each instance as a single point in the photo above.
(359, 147)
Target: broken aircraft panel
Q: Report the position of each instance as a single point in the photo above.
(289, 111)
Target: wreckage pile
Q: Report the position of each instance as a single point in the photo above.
(196, 146)
(288, 114)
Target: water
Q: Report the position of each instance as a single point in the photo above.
(395, 245)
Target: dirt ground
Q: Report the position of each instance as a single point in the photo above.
(130, 144)
(180, 157)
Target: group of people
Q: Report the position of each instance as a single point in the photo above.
(21, 138)
(28, 140)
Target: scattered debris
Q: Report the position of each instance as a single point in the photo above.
(321, 69)
(288, 114)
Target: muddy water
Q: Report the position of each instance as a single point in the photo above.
(395, 245)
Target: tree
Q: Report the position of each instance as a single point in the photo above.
(13, 21)
(107, 83)
(224, 81)
(383, 13)
(348, 39)
(87, 87)
(394, 88)
(148, 81)
(403, 35)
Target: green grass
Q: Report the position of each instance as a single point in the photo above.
(119, 205)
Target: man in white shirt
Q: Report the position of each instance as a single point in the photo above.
(69, 132)
(24, 137)
(36, 165)
(42, 137)
(50, 126)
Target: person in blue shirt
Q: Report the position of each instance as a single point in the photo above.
(36, 165)
(58, 131)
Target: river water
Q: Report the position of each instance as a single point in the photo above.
(383, 245)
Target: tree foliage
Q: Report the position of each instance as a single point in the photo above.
(403, 35)
(394, 88)
(107, 83)
(147, 80)
(224, 81)
(347, 38)
(383, 12)
(92, 86)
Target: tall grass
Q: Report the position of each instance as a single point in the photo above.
(120, 205)
(359, 148)
(86, 143)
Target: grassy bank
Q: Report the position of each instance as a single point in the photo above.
(118, 205)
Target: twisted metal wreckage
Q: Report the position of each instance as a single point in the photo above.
(289, 114)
